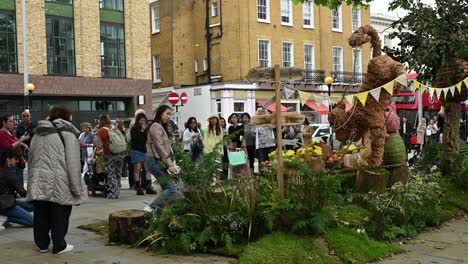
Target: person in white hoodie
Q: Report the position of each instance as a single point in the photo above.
(192, 138)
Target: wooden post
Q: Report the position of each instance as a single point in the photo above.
(279, 135)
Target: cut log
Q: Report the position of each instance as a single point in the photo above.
(366, 181)
(398, 173)
(126, 226)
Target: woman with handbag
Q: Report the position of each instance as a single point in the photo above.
(158, 159)
(54, 179)
(9, 141)
(16, 211)
(192, 139)
(237, 149)
(422, 131)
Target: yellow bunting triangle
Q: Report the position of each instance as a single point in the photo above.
(389, 87)
(466, 82)
(431, 90)
(402, 79)
(304, 96)
(350, 98)
(458, 85)
(318, 99)
(423, 88)
(416, 85)
(445, 91)
(362, 97)
(438, 92)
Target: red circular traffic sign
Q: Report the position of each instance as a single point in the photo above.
(173, 98)
(183, 97)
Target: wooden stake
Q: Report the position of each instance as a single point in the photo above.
(279, 136)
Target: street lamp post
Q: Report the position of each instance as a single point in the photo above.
(25, 54)
(30, 87)
(329, 83)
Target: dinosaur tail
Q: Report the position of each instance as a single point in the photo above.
(366, 34)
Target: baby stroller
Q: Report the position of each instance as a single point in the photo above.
(94, 181)
(415, 150)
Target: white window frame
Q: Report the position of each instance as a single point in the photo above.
(267, 10)
(291, 55)
(312, 59)
(341, 59)
(359, 60)
(339, 10)
(155, 18)
(290, 13)
(214, 8)
(387, 41)
(156, 68)
(308, 5)
(195, 65)
(205, 64)
(358, 21)
(268, 50)
(240, 102)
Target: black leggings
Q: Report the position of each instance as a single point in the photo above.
(251, 153)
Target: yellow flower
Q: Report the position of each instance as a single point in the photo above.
(290, 153)
(318, 151)
(352, 148)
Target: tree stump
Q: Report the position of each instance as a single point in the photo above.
(366, 181)
(398, 173)
(126, 226)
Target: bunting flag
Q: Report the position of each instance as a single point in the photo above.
(288, 93)
(318, 99)
(415, 85)
(389, 87)
(438, 91)
(423, 88)
(445, 91)
(376, 93)
(362, 97)
(431, 91)
(458, 85)
(402, 79)
(466, 82)
(350, 98)
(452, 90)
(304, 96)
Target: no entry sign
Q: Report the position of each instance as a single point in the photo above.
(183, 97)
(173, 98)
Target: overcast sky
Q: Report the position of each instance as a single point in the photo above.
(381, 6)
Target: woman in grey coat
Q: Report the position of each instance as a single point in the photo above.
(54, 179)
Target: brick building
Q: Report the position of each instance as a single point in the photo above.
(92, 56)
(245, 34)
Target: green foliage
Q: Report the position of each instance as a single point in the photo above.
(352, 247)
(403, 210)
(431, 156)
(283, 248)
(99, 227)
(431, 35)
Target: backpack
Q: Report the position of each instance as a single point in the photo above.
(117, 142)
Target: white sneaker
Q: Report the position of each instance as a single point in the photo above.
(2, 227)
(43, 250)
(67, 249)
(148, 209)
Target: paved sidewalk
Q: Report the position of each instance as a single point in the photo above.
(447, 245)
(17, 246)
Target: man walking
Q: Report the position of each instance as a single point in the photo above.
(26, 126)
(405, 130)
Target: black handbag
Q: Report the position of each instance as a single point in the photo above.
(7, 201)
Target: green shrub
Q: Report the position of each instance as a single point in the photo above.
(283, 248)
(432, 155)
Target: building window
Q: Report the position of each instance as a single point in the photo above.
(8, 52)
(357, 60)
(337, 59)
(116, 5)
(308, 13)
(155, 17)
(286, 12)
(195, 65)
(309, 57)
(288, 54)
(356, 18)
(337, 17)
(264, 54)
(239, 107)
(156, 69)
(68, 2)
(60, 46)
(218, 107)
(214, 8)
(112, 51)
(387, 43)
(263, 11)
(205, 64)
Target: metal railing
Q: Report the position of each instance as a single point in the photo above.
(314, 76)
(347, 77)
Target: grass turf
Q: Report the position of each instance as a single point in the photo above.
(352, 247)
(283, 248)
(100, 227)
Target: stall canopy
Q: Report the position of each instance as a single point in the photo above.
(272, 107)
(322, 109)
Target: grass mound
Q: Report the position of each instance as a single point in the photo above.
(352, 247)
(283, 248)
(100, 227)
